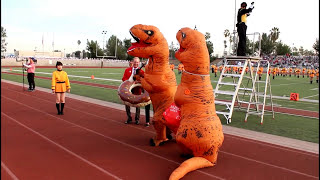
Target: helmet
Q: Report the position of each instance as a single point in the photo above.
(243, 4)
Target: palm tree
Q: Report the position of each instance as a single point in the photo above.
(274, 34)
(79, 42)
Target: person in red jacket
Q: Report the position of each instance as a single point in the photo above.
(127, 74)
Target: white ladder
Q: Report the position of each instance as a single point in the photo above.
(237, 83)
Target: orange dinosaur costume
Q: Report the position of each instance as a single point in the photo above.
(159, 80)
(200, 131)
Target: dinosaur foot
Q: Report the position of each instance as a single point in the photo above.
(157, 142)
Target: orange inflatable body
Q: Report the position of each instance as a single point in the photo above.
(200, 131)
(159, 80)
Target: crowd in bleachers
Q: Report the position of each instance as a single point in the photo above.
(293, 61)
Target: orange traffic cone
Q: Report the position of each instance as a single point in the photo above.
(92, 76)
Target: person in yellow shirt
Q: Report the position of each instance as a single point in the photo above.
(260, 71)
(317, 75)
(172, 66)
(180, 68)
(290, 71)
(309, 72)
(220, 68)
(274, 72)
(59, 85)
(212, 68)
(303, 72)
(298, 72)
(312, 73)
(215, 71)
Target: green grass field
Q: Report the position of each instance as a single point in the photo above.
(302, 128)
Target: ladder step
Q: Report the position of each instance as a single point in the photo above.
(229, 65)
(232, 75)
(261, 81)
(246, 102)
(225, 92)
(224, 113)
(246, 89)
(255, 113)
(222, 102)
(227, 83)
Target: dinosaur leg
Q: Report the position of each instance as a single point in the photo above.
(188, 166)
(161, 135)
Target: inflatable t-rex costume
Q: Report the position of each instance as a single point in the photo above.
(159, 80)
(200, 131)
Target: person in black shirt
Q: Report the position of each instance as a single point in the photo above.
(243, 13)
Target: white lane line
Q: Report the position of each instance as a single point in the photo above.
(14, 177)
(65, 149)
(105, 136)
(152, 132)
(286, 169)
(94, 132)
(85, 77)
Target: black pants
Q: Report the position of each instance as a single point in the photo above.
(137, 116)
(242, 30)
(32, 85)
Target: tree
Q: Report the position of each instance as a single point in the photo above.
(127, 44)
(79, 42)
(209, 45)
(3, 40)
(91, 47)
(274, 34)
(172, 51)
(315, 45)
(282, 49)
(115, 48)
(267, 46)
(301, 51)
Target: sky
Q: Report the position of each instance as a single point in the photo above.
(64, 22)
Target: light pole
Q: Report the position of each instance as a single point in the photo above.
(104, 33)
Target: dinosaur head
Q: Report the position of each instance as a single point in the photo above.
(193, 52)
(150, 42)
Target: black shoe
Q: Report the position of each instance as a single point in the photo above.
(147, 124)
(128, 121)
(59, 113)
(137, 122)
(29, 89)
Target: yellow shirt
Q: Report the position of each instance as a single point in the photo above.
(60, 76)
(244, 18)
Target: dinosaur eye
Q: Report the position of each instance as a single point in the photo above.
(149, 32)
(183, 35)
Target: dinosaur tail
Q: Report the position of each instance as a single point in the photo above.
(188, 166)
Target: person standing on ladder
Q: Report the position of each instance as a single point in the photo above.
(243, 13)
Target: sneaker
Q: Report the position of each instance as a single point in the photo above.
(137, 122)
(29, 89)
(128, 121)
(147, 124)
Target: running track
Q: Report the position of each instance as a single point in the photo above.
(92, 142)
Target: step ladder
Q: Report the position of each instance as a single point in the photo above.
(230, 96)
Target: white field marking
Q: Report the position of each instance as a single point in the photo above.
(85, 77)
(99, 134)
(14, 177)
(315, 89)
(284, 84)
(152, 132)
(297, 172)
(139, 149)
(311, 96)
(111, 73)
(62, 147)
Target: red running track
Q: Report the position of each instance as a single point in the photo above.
(92, 142)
